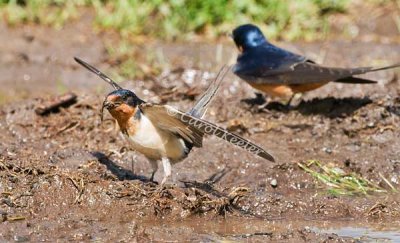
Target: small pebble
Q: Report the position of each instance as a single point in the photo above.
(274, 183)
(18, 238)
(327, 150)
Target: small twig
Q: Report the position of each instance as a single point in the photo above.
(73, 183)
(68, 127)
(80, 188)
(375, 206)
(53, 105)
(16, 218)
(387, 182)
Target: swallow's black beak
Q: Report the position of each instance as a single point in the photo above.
(106, 104)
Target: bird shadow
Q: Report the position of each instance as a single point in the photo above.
(120, 172)
(258, 100)
(330, 107)
(395, 107)
(208, 184)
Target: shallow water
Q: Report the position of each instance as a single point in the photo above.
(363, 233)
(233, 228)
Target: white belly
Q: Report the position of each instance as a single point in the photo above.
(147, 135)
(156, 143)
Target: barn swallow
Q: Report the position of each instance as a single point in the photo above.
(161, 132)
(281, 73)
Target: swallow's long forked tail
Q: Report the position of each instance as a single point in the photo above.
(200, 108)
(212, 129)
(355, 80)
(384, 68)
(357, 71)
(98, 73)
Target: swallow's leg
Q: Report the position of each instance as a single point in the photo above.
(167, 170)
(154, 166)
(290, 101)
(295, 97)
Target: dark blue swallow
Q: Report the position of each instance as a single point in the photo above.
(281, 73)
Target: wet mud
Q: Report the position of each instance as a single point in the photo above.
(65, 175)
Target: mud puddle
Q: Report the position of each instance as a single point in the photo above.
(363, 233)
(236, 228)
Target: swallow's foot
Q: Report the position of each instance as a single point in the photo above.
(152, 181)
(167, 184)
(257, 104)
(256, 101)
(155, 183)
(262, 107)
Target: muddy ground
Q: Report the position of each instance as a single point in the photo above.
(68, 176)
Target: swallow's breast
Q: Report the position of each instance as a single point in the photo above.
(154, 142)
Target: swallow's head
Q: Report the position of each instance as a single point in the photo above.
(248, 36)
(121, 104)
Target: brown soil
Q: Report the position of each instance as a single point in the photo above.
(67, 176)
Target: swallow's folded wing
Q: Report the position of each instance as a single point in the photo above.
(272, 65)
(266, 61)
(185, 123)
(313, 73)
(308, 72)
(159, 115)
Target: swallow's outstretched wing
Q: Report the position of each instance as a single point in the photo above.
(98, 73)
(173, 120)
(200, 108)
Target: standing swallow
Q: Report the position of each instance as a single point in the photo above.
(161, 132)
(281, 73)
